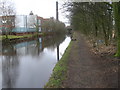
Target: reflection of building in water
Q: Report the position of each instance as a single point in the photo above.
(23, 48)
(28, 47)
(31, 47)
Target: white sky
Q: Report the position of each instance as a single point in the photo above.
(43, 8)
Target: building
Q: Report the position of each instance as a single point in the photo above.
(25, 24)
(20, 24)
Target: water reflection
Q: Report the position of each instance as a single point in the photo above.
(29, 64)
(58, 52)
(10, 64)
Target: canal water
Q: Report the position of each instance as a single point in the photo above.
(29, 64)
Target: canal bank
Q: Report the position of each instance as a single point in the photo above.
(20, 38)
(60, 70)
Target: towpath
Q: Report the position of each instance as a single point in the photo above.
(87, 70)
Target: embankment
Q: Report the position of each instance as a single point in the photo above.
(60, 70)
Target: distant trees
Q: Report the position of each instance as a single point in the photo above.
(52, 25)
(96, 20)
(7, 12)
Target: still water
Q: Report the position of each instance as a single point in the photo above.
(29, 64)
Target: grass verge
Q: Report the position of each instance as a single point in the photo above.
(59, 71)
(2, 37)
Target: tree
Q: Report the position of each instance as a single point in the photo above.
(96, 20)
(7, 12)
(93, 19)
(52, 25)
(116, 9)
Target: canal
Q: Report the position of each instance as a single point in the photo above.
(29, 64)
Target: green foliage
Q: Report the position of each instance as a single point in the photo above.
(60, 71)
(2, 37)
(118, 49)
(116, 9)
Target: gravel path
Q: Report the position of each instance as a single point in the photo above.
(86, 70)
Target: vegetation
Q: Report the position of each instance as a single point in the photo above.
(52, 25)
(116, 8)
(7, 13)
(60, 71)
(2, 37)
(98, 21)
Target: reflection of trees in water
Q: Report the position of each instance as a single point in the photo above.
(38, 46)
(53, 41)
(9, 66)
(8, 49)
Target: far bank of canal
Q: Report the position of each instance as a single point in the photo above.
(30, 64)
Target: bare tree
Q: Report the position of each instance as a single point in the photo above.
(7, 13)
(52, 25)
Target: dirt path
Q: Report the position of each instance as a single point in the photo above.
(87, 70)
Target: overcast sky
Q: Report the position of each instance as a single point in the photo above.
(43, 8)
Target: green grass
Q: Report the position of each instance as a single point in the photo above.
(12, 36)
(2, 37)
(59, 71)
